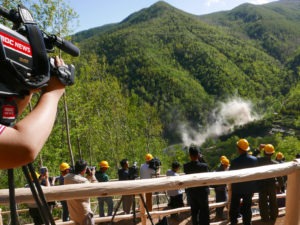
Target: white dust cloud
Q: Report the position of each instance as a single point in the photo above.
(234, 112)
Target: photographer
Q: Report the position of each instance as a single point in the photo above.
(20, 144)
(64, 169)
(148, 171)
(126, 173)
(80, 209)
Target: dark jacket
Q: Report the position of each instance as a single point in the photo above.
(123, 174)
(263, 161)
(244, 161)
(196, 167)
(220, 187)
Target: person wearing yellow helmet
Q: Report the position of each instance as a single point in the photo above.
(268, 207)
(146, 172)
(221, 190)
(102, 176)
(279, 157)
(282, 186)
(243, 190)
(64, 169)
(79, 209)
(148, 157)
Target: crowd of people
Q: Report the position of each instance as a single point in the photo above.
(80, 211)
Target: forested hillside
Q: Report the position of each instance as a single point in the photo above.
(183, 64)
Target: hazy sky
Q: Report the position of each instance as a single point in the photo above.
(94, 13)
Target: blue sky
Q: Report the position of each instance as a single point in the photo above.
(94, 13)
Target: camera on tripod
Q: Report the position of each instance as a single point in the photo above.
(155, 163)
(133, 171)
(24, 63)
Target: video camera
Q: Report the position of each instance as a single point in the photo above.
(24, 64)
(155, 163)
(133, 171)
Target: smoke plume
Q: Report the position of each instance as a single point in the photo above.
(229, 114)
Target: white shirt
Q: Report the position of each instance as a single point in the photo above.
(146, 172)
(173, 192)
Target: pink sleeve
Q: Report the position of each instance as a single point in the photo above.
(2, 128)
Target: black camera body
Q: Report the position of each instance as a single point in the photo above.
(155, 163)
(90, 169)
(133, 171)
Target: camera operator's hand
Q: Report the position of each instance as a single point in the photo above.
(91, 175)
(93, 170)
(65, 73)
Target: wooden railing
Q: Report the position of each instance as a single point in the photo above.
(136, 187)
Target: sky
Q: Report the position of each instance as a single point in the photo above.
(94, 13)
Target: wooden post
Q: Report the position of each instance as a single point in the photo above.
(1, 219)
(292, 199)
(143, 210)
(229, 191)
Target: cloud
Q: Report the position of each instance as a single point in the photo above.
(260, 2)
(235, 2)
(212, 2)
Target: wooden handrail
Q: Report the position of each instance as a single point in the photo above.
(74, 191)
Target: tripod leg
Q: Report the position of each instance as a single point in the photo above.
(39, 195)
(12, 200)
(116, 209)
(133, 210)
(34, 193)
(42, 197)
(145, 206)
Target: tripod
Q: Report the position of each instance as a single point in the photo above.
(37, 194)
(134, 210)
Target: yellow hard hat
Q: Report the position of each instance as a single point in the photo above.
(148, 157)
(243, 144)
(269, 149)
(64, 166)
(222, 157)
(279, 156)
(225, 161)
(103, 164)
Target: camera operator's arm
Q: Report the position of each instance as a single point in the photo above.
(19, 145)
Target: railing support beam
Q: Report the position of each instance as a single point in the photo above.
(293, 199)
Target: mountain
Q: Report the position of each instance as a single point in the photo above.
(183, 64)
(275, 26)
